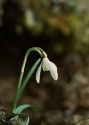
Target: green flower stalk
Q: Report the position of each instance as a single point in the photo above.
(19, 85)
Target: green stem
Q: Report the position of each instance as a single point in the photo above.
(42, 54)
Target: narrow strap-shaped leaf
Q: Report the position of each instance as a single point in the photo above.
(20, 108)
(28, 76)
(26, 122)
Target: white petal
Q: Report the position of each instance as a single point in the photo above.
(53, 70)
(45, 64)
(38, 74)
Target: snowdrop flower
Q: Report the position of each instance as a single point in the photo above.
(47, 65)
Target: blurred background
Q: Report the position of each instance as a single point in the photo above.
(61, 28)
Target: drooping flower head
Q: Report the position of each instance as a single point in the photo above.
(47, 65)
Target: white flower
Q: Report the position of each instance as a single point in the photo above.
(47, 65)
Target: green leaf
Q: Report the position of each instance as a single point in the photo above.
(26, 122)
(28, 76)
(20, 108)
